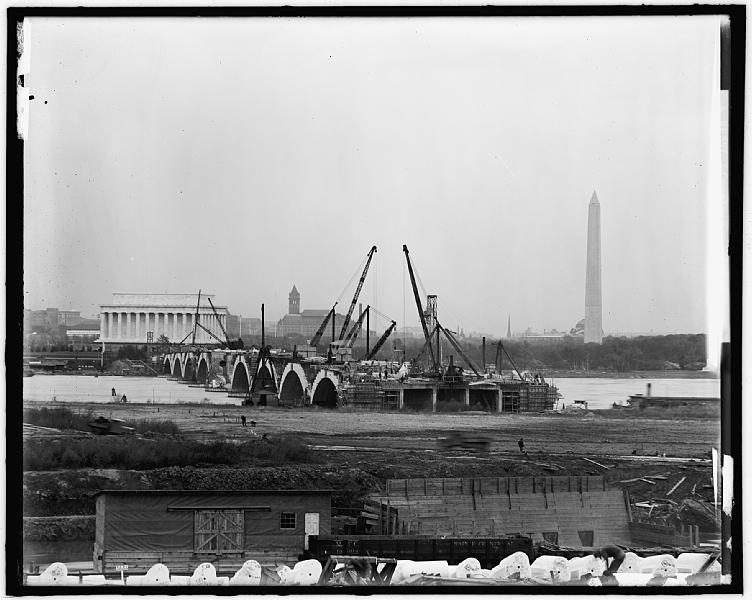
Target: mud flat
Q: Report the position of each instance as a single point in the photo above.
(605, 433)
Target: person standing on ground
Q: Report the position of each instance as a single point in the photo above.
(114, 393)
(242, 420)
(521, 444)
(124, 399)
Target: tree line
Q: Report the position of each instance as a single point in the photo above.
(617, 354)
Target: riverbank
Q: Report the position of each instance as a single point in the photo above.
(554, 373)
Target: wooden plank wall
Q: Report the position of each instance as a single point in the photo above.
(511, 505)
(649, 534)
(443, 486)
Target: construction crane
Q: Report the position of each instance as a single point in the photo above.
(452, 340)
(322, 327)
(418, 303)
(195, 318)
(232, 345)
(348, 316)
(355, 330)
(499, 349)
(381, 341)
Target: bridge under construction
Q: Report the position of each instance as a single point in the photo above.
(302, 377)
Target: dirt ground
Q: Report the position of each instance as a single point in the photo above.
(591, 433)
(624, 444)
(356, 452)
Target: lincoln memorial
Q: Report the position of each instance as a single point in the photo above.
(130, 317)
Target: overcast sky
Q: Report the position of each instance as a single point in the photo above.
(240, 156)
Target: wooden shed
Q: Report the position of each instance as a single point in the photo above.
(181, 529)
(578, 511)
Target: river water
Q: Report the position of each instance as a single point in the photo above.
(599, 393)
(602, 393)
(86, 388)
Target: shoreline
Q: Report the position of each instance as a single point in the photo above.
(557, 374)
(547, 373)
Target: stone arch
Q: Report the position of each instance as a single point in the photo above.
(240, 381)
(272, 371)
(202, 371)
(294, 385)
(166, 366)
(264, 378)
(189, 370)
(177, 368)
(324, 392)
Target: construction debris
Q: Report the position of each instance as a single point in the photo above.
(676, 486)
(595, 463)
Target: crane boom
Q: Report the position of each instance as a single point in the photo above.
(322, 327)
(348, 316)
(211, 334)
(419, 305)
(427, 343)
(222, 327)
(353, 334)
(459, 350)
(381, 341)
(195, 318)
(511, 361)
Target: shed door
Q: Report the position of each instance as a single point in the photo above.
(312, 523)
(311, 527)
(218, 531)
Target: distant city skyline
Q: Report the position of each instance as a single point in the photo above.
(245, 155)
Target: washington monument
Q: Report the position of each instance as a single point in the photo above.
(593, 310)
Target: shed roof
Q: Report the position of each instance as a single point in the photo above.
(205, 492)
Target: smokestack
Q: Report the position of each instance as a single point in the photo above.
(262, 326)
(484, 353)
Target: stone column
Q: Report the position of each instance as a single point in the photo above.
(174, 326)
(102, 325)
(111, 326)
(128, 325)
(434, 398)
(467, 396)
(402, 398)
(137, 332)
(498, 400)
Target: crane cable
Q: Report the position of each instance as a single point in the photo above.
(404, 322)
(357, 273)
(416, 272)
